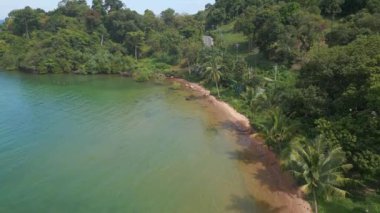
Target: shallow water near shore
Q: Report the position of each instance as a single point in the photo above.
(108, 144)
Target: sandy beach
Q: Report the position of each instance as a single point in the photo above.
(271, 188)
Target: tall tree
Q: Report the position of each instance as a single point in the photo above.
(331, 7)
(93, 20)
(213, 71)
(320, 167)
(215, 17)
(168, 16)
(113, 5)
(98, 5)
(73, 8)
(246, 24)
(119, 23)
(24, 21)
(136, 40)
(150, 20)
(191, 52)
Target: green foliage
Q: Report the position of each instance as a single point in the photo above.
(120, 22)
(168, 16)
(212, 71)
(368, 203)
(320, 168)
(75, 38)
(344, 81)
(148, 69)
(277, 130)
(353, 6)
(93, 20)
(104, 62)
(279, 30)
(24, 21)
(270, 60)
(331, 7)
(353, 65)
(113, 5)
(373, 6)
(98, 6)
(352, 27)
(135, 41)
(226, 10)
(165, 46)
(73, 8)
(333, 91)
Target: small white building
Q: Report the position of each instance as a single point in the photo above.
(208, 41)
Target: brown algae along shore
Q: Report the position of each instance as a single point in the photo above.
(273, 189)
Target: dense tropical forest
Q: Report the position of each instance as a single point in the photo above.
(305, 72)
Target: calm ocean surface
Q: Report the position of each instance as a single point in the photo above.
(108, 144)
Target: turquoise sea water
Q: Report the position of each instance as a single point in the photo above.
(108, 144)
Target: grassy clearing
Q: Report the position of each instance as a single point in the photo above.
(236, 43)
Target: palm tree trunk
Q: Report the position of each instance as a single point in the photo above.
(26, 30)
(217, 88)
(188, 67)
(315, 202)
(333, 21)
(136, 52)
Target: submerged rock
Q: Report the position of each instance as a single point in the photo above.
(126, 74)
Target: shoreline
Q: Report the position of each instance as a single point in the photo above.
(272, 189)
(241, 123)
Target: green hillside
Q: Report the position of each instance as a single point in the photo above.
(306, 73)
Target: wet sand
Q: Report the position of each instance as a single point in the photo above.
(273, 189)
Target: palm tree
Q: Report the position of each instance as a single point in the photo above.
(276, 130)
(253, 97)
(213, 72)
(320, 167)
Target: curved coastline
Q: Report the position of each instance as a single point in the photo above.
(272, 189)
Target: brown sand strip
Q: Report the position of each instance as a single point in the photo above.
(272, 188)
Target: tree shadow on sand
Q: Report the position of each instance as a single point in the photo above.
(236, 127)
(256, 152)
(247, 204)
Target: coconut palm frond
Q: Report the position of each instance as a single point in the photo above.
(322, 168)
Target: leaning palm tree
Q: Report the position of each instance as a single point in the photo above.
(320, 167)
(213, 71)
